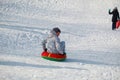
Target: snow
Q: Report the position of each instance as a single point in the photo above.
(92, 47)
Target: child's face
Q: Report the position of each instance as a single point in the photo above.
(58, 33)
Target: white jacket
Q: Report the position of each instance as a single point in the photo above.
(53, 44)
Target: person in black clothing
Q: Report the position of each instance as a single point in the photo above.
(115, 17)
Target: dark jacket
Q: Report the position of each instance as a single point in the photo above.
(115, 14)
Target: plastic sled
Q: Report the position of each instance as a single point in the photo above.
(118, 24)
(53, 56)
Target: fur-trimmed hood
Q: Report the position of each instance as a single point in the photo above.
(52, 34)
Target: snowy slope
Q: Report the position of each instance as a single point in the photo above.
(92, 47)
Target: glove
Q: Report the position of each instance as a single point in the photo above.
(64, 53)
(45, 49)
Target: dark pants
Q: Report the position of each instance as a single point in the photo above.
(113, 25)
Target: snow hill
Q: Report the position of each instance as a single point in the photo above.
(93, 49)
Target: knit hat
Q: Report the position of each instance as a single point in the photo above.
(56, 29)
(115, 8)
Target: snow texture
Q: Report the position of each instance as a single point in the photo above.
(93, 49)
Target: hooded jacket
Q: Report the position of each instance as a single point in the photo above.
(52, 43)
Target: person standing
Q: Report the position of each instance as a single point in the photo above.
(115, 17)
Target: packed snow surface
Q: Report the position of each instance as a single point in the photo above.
(93, 49)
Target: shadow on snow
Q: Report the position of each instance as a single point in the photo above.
(21, 64)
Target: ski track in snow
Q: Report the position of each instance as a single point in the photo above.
(26, 59)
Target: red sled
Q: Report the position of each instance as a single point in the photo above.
(53, 56)
(118, 24)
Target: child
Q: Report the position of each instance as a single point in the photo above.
(52, 44)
